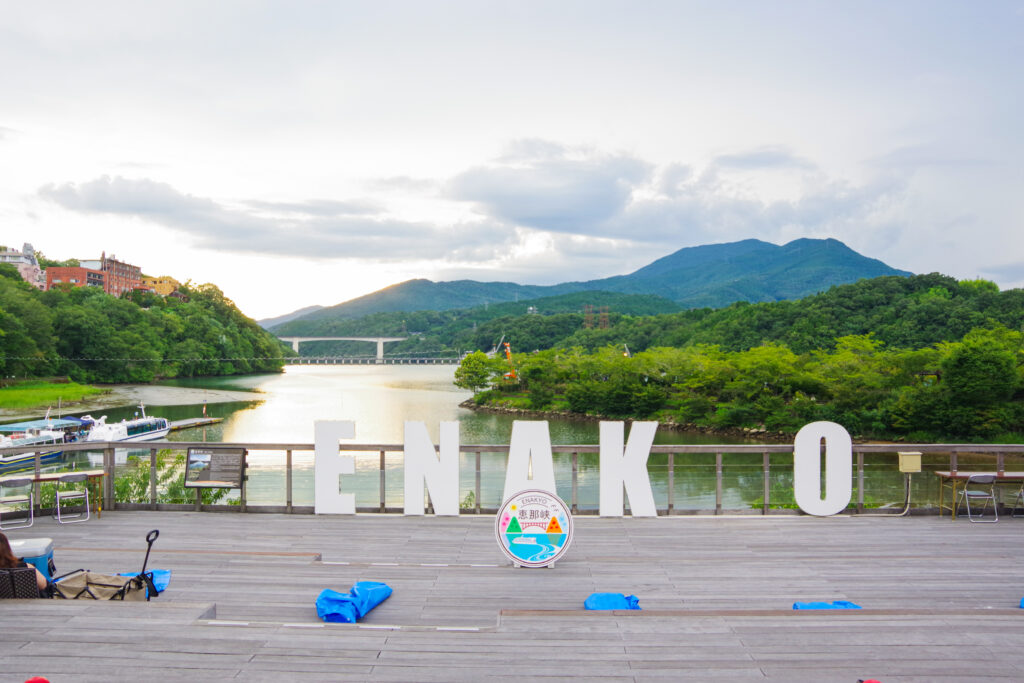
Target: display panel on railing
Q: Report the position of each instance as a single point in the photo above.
(215, 468)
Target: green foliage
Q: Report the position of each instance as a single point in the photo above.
(475, 372)
(969, 389)
(132, 484)
(92, 337)
(36, 394)
(899, 312)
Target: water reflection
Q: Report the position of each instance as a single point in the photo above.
(381, 398)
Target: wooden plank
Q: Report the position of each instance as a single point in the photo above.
(717, 595)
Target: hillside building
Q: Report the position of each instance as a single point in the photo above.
(163, 285)
(76, 276)
(118, 277)
(26, 263)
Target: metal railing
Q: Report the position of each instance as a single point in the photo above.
(993, 455)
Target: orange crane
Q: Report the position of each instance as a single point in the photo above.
(511, 374)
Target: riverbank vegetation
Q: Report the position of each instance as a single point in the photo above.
(27, 395)
(922, 358)
(89, 336)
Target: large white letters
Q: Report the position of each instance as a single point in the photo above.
(627, 469)
(807, 468)
(328, 466)
(529, 450)
(422, 465)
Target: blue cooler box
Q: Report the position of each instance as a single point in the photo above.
(36, 551)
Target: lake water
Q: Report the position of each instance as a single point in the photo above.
(380, 399)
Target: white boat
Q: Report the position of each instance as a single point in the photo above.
(145, 428)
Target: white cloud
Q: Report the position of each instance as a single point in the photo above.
(351, 145)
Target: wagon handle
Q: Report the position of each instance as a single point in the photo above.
(150, 537)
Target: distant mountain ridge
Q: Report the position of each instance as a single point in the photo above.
(713, 276)
(267, 323)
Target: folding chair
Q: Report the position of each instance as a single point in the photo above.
(979, 487)
(16, 499)
(18, 583)
(1017, 502)
(73, 494)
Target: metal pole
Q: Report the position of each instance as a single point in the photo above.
(671, 482)
(477, 483)
(718, 483)
(766, 463)
(108, 481)
(860, 483)
(152, 479)
(288, 480)
(383, 489)
(575, 482)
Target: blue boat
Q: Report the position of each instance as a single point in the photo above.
(48, 432)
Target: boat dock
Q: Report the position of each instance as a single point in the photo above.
(940, 601)
(194, 422)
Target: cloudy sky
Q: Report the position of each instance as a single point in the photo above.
(299, 153)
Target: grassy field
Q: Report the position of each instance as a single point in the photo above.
(28, 395)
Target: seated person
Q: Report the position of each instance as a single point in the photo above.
(9, 561)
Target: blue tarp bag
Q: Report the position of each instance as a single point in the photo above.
(835, 604)
(161, 578)
(347, 608)
(611, 601)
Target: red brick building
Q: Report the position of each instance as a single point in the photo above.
(119, 277)
(75, 276)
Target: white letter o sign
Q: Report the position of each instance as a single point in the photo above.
(807, 468)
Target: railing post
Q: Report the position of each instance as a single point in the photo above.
(766, 464)
(152, 479)
(383, 487)
(288, 481)
(952, 462)
(37, 488)
(860, 482)
(1000, 463)
(575, 482)
(476, 490)
(671, 483)
(108, 481)
(718, 483)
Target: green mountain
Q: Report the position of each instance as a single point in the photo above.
(712, 275)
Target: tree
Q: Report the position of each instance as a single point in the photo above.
(474, 372)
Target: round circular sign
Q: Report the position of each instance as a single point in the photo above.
(533, 528)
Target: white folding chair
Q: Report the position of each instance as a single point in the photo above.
(979, 487)
(72, 494)
(1017, 502)
(16, 500)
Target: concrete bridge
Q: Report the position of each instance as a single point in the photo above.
(295, 341)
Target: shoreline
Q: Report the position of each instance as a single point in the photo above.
(121, 395)
(740, 433)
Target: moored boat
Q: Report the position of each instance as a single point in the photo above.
(34, 437)
(144, 428)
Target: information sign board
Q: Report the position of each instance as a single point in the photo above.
(215, 468)
(533, 528)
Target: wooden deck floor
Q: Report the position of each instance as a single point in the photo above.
(940, 601)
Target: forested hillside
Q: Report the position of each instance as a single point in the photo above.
(906, 312)
(924, 357)
(535, 324)
(711, 275)
(93, 337)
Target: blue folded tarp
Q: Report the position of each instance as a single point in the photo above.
(349, 608)
(835, 604)
(611, 601)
